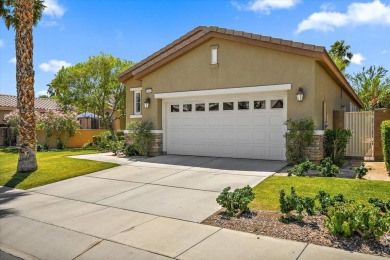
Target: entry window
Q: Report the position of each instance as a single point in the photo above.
(213, 106)
(187, 107)
(228, 105)
(260, 104)
(200, 107)
(214, 55)
(277, 103)
(243, 105)
(175, 108)
(137, 102)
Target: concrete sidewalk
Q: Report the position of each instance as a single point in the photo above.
(146, 209)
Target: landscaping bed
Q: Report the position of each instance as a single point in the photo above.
(309, 230)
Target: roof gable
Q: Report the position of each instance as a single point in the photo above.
(201, 34)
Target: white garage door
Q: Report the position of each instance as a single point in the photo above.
(237, 126)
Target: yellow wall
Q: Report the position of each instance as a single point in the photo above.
(78, 140)
(328, 91)
(239, 65)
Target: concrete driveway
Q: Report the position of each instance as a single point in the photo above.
(143, 209)
(180, 187)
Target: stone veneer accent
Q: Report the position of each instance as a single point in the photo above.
(315, 152)
(157, 146)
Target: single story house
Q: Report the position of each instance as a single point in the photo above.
(8, 103)
(225, 93)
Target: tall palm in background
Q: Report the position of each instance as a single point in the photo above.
(22, 15)
(340, 55)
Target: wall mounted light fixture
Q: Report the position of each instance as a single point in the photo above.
(300, 95)
(147, 102)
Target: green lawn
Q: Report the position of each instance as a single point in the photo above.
(267, 192)
(52, 167)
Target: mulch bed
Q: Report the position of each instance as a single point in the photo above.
(310, 230)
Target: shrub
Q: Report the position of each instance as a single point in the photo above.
(354, 217)
(385, 136)
(87, 145)
(361, 171)
(335, 144)
(325, 201)
(141, 136)
(381, 204)
(236, 202)
(129, 150)
(327, 168)
(298, 137)
(301, 169)
(96, 139)
(293, 202)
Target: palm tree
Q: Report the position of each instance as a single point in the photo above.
(22, 15)
(340, 55)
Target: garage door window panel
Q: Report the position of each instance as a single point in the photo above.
(200, 107)
(175, 108)
(228, 106)
(277, 103)
(243, 105)
(187, 107)
(213, 106)
(259, 104)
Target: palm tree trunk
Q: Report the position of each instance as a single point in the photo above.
(25, 86)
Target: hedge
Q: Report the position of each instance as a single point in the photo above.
(385, 136)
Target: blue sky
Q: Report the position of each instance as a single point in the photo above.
(71, 31)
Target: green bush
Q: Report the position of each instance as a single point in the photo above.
(335, 144)
(59, 144)
(294, 203)
(236, 202)
(141, 136)
(301, 169)
(298, 137)
(96, 139)
(129, 150)
(352, 217)
(361, 171)
(325, 201)
(381, 204)
(385, 136)
(327, 168)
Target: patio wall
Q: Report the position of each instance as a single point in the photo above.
(78, 140)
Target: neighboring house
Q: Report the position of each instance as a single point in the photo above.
(226, 93)
(8, 103)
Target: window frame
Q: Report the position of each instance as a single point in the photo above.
(135, 112)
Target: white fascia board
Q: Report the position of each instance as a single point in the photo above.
(152, 131)
(136, 89)
(223, 91)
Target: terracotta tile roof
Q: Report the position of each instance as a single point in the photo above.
(10, 101)
(200, 31)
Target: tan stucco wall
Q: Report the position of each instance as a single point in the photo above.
(239, 65)
(328, 91)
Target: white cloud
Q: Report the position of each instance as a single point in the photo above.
(53, 9)
(328, 7)
(12, 60)
(265, 6)
(385, 52)
(42, 92)
(357, 59)
(54, 65)
(1, 43)
(357, 14)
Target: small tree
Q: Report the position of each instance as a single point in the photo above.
(335, 144)
(57, 122)
(298, 137)
(141, 136)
